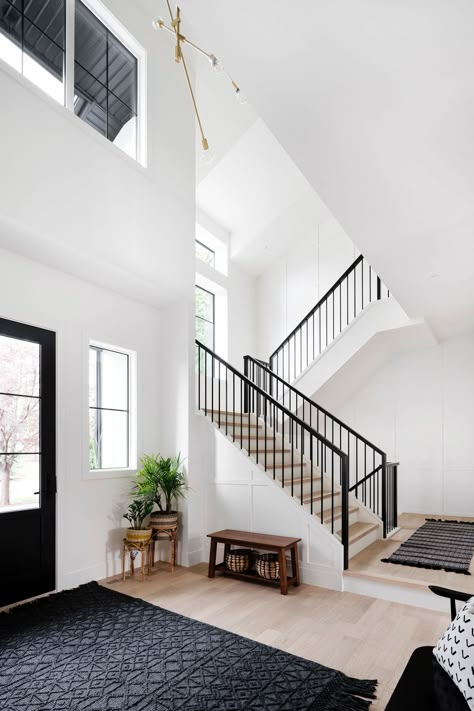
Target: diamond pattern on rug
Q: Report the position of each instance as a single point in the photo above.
(93, 649)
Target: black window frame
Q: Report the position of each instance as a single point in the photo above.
(201, 318)
(98, 408)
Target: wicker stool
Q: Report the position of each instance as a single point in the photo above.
(164, 534)
(133, 549)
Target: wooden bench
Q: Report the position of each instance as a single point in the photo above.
(276, 544)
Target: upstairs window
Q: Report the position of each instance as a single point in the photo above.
(205, 317)
(102, 89)
(105, 81)
(32, 41)
(109, 409)
(205, 254)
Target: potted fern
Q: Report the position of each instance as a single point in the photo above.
(136, 514)
(161, 481)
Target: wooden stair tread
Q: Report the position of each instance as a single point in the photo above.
(270, 451)
(337, 513)
(360, 529)
(317, 497)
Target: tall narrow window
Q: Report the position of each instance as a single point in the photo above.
(109, 409)
(32, 41)
(205, 317)
(105, 81)
(205, 254)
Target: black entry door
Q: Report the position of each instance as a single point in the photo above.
(27, 461)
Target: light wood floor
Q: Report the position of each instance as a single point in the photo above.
(361, 636)
(368, 563)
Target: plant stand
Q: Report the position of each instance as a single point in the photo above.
(164, 534)
(140, 547)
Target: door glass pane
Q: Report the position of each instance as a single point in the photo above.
(19, 366)
(19, 425)
(20, 479)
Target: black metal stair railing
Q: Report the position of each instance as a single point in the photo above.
(288, 448)
(371, 479)
(348, 296)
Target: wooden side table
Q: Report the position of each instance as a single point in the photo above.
(164, 534)
(143, 549)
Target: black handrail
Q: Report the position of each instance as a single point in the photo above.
(358, 286)
(317, 467)
(366, 461)
(264, 366)
(249, 383)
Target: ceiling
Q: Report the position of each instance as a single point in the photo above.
(374, 101)
(257, 194)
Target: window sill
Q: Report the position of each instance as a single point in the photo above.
(109, 474)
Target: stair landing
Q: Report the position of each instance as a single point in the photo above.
(367, 565)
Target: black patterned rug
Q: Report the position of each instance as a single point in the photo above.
(438, 544)
(98, 650)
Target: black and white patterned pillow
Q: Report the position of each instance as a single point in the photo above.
(455, 651)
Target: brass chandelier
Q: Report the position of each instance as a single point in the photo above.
(175, 30)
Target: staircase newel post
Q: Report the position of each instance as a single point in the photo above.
(246, 387)
(384, 494)
(345, 507)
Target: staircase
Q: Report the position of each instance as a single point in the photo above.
(338, 476)
(304, 463)
(356, 289)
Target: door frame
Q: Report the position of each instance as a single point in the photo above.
(47, 510)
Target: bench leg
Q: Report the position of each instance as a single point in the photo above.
(295, 564)
(212, 559)
(283, 573)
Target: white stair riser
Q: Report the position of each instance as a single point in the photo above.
(363, 542)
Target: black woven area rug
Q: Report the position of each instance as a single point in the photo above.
(95, 649)
(438, 544)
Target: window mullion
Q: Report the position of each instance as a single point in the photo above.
(69, 53)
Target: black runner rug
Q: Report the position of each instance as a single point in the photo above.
(438, 544)
(98, 650)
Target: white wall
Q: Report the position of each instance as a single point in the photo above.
(72, 201)
(239, 495)
(294, 283)
(420, 409)
(89, 510)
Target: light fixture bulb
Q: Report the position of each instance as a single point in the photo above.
(240, 97)
(207, 156)
(217, 65)
(158, 23)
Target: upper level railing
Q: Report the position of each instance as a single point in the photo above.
(277, 438)
(349, 295)
(368, 470)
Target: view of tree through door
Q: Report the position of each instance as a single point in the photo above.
(27, 461)
(19, 423)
